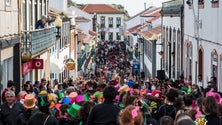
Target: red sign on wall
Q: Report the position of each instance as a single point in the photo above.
(37, 63)
(33, 64)
(26, 67)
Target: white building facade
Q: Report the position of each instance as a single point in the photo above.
(172, 42)
(9, 43)
(59, 4)
(203, 40)
(109, 21)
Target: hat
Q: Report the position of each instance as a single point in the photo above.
(130, 83)
(184, 89)
(73, 110)
(98, 94)
(124, 88)
(86, 97)
(79, 98)
(22, 94)
(43, 100)
(53, 97)
(52, 104)
(29, 101)
(61, 95)
(66, 100)
(57, 106)
(43, 92)
(73, 94)
(157, 94)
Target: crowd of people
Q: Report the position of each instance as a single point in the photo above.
(110, 95)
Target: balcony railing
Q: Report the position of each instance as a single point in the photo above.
(39, 40)
(81, 61)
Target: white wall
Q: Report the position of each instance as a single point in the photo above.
(210, 35)
(84, 26)
(114, 29)
(173, 22)
(79, 13)
(133, 22)
(8, 18)
(58, 4)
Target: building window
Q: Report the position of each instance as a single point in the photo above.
(166, 54)
(24, 15)
(201, 4)
(36, 11)
(118, 36)
(102, 21)
(220, 72)
(118, 22)
(178, 53)
(189, 62)
(214, 63)
(215, 3)
(110, 35)
(40, 8)
(110, 22)
(43, 7)
(30, 15)
(164, 40)
(8, 2)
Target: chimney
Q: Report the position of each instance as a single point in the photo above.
(144, 5)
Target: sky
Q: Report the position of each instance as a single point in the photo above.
(132, 6)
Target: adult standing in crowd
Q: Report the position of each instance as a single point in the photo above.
(10, 86)
(43, 116)
(105, 113)
(29, 105)
(10, 109)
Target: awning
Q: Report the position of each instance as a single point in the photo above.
(56, 66)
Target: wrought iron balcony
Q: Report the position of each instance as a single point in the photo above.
(37, 41)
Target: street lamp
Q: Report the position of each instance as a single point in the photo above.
(58, 24)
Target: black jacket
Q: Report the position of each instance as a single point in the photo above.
(22, 118)
(213, 120)
(40, 118)
(103, 114)
(8, 115)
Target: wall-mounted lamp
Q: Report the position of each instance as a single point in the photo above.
(58, 24)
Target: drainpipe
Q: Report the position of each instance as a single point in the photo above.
(20, 47)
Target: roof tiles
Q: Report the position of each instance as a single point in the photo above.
(100, 8)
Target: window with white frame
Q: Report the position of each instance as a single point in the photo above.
(118, 37)
(110, 22)
(110, 35)
(118, 22)
(8, 2)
